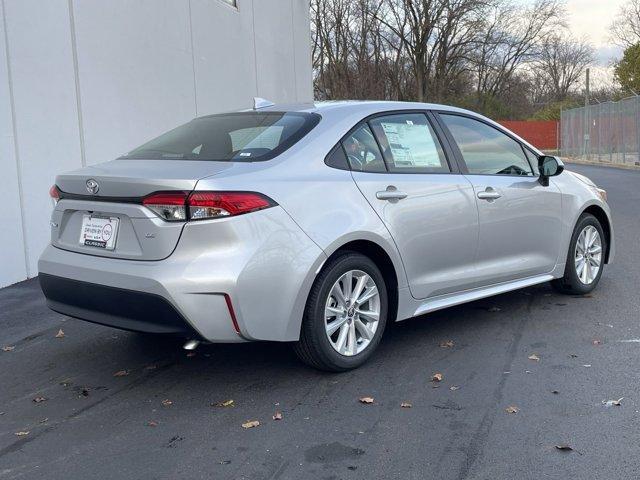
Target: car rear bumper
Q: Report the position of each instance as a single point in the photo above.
(229, 280)
(149, 297)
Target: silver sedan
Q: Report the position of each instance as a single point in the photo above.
(318, 224)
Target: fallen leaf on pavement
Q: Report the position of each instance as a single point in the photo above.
(611, 403)
(152, 423)
(22, 434)
(166, 402)
(366, 399)
(8, 348)
(226, 403)
(447, 344)
(564, 447)
(405, 405)
(121, 373)
(250, 424)
(453, 388)
(512, 409)
(437, 377)
(39, 399)
(277, 416)
(60, 334)
(534, 357)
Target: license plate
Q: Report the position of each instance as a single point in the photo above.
(99, 232)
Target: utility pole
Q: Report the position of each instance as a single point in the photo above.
(586, 116)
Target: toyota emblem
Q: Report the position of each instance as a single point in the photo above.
(92, 186)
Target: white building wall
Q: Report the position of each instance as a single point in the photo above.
(82, 81)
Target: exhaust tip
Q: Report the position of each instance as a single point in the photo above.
(191, 345)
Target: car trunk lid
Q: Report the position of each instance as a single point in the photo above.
(111, 193)
(138, 178)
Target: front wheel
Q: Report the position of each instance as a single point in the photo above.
(345, 316)
(585, 260)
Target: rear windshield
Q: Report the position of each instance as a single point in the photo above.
(230, 137)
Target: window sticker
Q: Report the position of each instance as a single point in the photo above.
(411, 145)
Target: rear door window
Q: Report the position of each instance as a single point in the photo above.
(242, 136)
(409, 144)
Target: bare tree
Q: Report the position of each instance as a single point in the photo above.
(625, 29)
(350, 56)
(435, 36)
(562, 63)
(511, 37)
(413, 23)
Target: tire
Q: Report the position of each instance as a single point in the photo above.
(316, 346)
(572, 282)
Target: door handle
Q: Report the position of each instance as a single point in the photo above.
(390, 194)
(489, 194)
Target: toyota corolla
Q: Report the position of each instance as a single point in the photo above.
(318, 225)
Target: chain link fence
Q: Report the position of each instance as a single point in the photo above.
(606, 133)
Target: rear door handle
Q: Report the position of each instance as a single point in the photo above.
(390, 195)
(489, 194)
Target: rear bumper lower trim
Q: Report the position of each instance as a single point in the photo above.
(115, 307)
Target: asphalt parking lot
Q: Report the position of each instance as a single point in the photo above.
(157, 419)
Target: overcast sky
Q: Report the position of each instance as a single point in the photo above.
(591, 19)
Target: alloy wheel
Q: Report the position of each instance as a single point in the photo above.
(588, 254)
(352, 313)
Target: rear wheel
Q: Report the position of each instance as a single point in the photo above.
(345, 315)
(585, 260)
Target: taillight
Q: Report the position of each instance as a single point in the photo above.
(54, 193)
(181, 206)
(225, 204)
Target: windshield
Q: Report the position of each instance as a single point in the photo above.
(237, 137)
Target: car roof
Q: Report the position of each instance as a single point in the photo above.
(358, 106)
(356, 110)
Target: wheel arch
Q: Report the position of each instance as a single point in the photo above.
(598, 212)
(383, 261)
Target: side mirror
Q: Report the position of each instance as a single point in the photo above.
(549, 167)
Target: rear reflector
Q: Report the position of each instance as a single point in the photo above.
(232, 313)
(181, 206)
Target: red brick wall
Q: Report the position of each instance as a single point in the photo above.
(541, 134)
